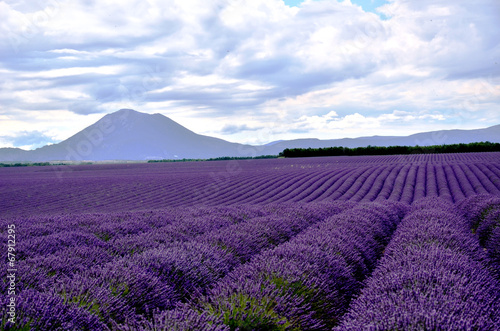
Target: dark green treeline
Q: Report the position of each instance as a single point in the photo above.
(392, 150)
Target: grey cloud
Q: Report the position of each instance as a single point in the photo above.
(261, 68)
(40, 106)
(86, 107)
(83, 79)
(218, 103)
(42, 42)
(233, 128)
(284, 71)
(462, 43)
(290, 83)
(489, 71)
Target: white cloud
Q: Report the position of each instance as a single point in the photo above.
(261, 63)
(330, 126)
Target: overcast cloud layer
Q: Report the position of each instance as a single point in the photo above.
(249, 71)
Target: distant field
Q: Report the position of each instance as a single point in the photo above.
(122, 187)
(346, 243)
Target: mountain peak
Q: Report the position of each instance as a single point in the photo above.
(126, 110)
(126, 116)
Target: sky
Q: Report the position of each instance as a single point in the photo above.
(249, 71)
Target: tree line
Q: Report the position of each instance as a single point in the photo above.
(27, 164)
(391, 150)
(222, 158)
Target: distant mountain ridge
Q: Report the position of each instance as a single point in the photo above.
(131, 135)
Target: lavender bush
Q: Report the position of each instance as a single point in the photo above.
(308, 282)
(433, 276)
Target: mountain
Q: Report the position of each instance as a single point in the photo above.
(13, 154)
(131, 135)
(491, 134)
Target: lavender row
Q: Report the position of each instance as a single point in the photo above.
(72, 258)
(127, 289)
(433, 276)
(46, 311)
(193, 267)
(123, 233)
(304, 284)
(191, 223)
(85, 189)
(483, 215)
(92, 300)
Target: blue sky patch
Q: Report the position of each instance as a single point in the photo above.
(367, 5)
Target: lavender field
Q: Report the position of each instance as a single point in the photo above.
(332, 243)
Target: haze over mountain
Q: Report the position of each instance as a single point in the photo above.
(131, 135)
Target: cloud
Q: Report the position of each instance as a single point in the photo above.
(29, 140)
(331, 125)
(231, 129)
(262, 62)
(86, 107)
